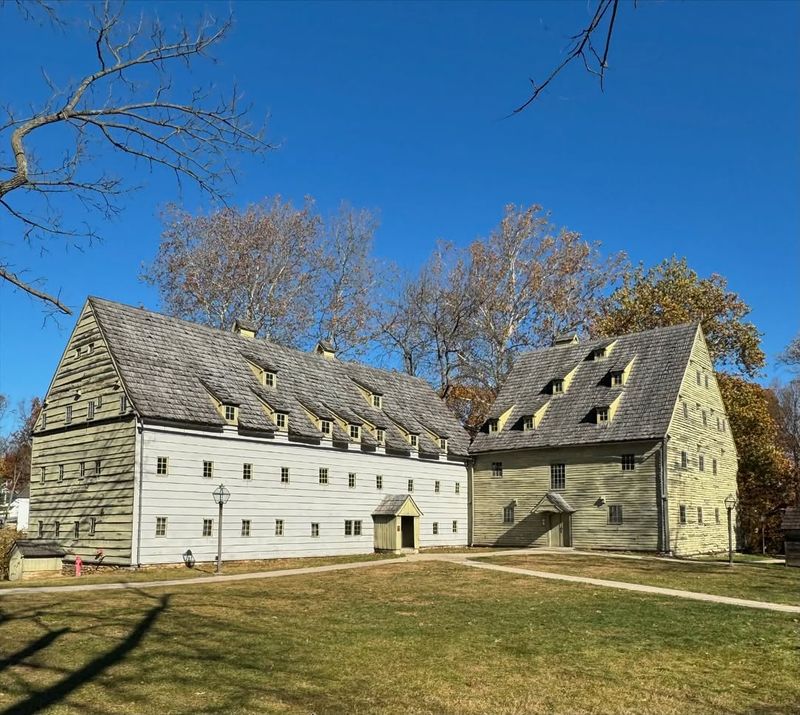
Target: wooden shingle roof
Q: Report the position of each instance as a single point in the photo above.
(169, 366)
(645, 405)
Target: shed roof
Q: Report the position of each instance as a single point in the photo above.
(30, 548)
(392, 504)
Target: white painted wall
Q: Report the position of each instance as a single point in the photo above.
(184, 496)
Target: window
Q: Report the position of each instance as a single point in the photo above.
(682, 513)
(92, 526)
(57, 529)
(699, 515)
(351, 480)
(42, 474)
(602, 414)
(280, 420)
(527, 422)
(705, 419)
(68, 415)
(719, 427)
(701, 463)
(348, 527)
(706, 379)
(713, 466)
(123, 404)
(616, 378)
(380, 435)
(698, 377)
(44, 420)
(723, 425)
(614, 513)
(162, 465)
(278, 527)
(355, 432)
(323, 475)
(458, 488)
(558, 476)
(410, 485)
(60, 472)
(98, 465)
(376, 401)
(686, 410)
(436, 487)
(455, 526)
(161, 526)
(599, 354)
(208, 525)
(508, 514)
(269, 379)
(314, 529)
(284, 475)
(628, 462)
(82, 471)
(90, 410)
(357, 527)
(208, 469)
(414, 440)
(245, 527)
(684, 460)
(558, 387)
(41, 529)
(492, 425)
(230, 413)
(716, 514)
(497, 469)
(443, 444)
(76, 530)
(435, 528)
(247, 471)
(325, 427)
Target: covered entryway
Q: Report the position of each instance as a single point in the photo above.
(396, 524)
(556, 517)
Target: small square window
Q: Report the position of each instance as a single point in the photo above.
(269, 379)
(92, 526)
(76, 530)
(42, 474)
(57, 529)
(716, 514)
(98, 466)
(699, 515)
(705, 419)
(724, 426)
(686, 410)
(284, 475)
(443, 444)
(602, 414)
(508, 514)
(357, 528)
(706, 379)
(161, 526)
(314, 529)
(558, 387)
(435, 528)
(713, 466)
(628, 462)
(379, 481)
(701, 463)
(719, 426)
(162, 466)
(348, 527)
(376, 401)
(68, 415)
(558, 476)
(230, 413)
(458, 488)
(682, 513)
(410, 485)
(497, 469)
(247, 471)
(355, 432)
(208, 469)
(698, 377)
(527, 422)
(616, 378)
(323, 475)
(493, 425)
(380, 435)
(90, 410)
(41, 529)
(60, 472)
(123, 404)
(414, 440)
(436, 486)
(278, 527)
(44, 420)
(684, 460)
(208, 526)
(455, 526)
(245, 527)
(325, 427)
(351, 480)
(82, 470)
(614, 513)
(280, 420)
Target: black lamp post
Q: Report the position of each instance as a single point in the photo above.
(221, 496)
(730, 505)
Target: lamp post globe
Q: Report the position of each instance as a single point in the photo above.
(221, 495)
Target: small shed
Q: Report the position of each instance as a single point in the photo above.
(791, 535)
(396, 524)
(35, 559)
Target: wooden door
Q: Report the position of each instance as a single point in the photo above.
(556, 535)
(407, 525)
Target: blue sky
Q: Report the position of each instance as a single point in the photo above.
(693, 149)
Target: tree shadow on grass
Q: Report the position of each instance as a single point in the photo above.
(55, 693)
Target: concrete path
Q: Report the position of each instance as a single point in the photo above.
(468, 559)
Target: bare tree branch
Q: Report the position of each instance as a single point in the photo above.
(29, 288)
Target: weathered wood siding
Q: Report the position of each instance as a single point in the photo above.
(183, 496)
(689, 486)
(592, 473)
(108, 437)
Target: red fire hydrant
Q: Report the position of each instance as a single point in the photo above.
(78, 565)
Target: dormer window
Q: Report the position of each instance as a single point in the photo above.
(599, 354)
(380, 435)
(325, 427)
(492, 425)
(414, 440)
(281, 420)
(377, 401)
(557, 386)
(355, 432)
(528, 422)
(230, 413)
(602, 414)
(443, 444)
(617, 378)
(269, 379)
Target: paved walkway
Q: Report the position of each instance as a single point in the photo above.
(467, 559)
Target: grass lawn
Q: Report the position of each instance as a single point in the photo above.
(759, 582)
(171, 572)
(425, 637)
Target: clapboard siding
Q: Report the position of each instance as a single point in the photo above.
(689, 486)
(184, 497)
(591, 473)
(109, 437)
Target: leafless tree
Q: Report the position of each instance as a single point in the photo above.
(128, 105)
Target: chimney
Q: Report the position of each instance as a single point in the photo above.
(325, 349)
(244, 328)
(570, 338)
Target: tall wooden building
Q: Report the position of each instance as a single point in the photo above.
(620, 443)
(147, 414)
